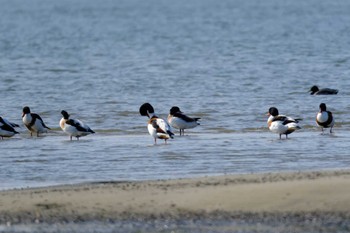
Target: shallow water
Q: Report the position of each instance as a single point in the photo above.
(226, 62)
(54, 159)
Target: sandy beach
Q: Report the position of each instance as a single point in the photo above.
(322, 198)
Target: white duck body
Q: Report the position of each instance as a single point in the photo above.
(282, 124)
(6, 128)
(6, 133)
(179, 123)
(324, 119)
(159, 128)
(34, 123)
(75, 127)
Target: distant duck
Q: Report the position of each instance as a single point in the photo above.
(7, 128)
(314, 90)
(74, 127)
(281, 124)
(325, 118)
(33, 122)
(157, 127)
(178, 120)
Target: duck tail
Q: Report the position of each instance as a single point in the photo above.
(298, 119)
(294, 127)
(171, 134)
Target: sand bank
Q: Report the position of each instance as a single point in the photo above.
(300, 195)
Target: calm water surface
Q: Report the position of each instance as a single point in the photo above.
(226, 62)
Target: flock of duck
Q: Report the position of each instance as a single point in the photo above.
(282, 124)
(159, 128)
(36, 125)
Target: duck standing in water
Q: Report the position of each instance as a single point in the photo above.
(74, 127)
(157, 127)
(325, 118)
(180, 121)
(7, 128)
(33, 122)
(281, 124)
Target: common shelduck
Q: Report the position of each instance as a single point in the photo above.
(157, 127)
(314, 90)
(180, 121)
(33, 122)
(325, 118)
(74, 127)
(7, 128)
(281, 124)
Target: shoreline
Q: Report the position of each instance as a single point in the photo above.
(298, 196)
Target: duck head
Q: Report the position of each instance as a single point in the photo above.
(65, 114)
(146, 109)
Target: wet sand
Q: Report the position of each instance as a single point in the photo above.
(322, 198)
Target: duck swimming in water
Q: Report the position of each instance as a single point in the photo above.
(314, 90)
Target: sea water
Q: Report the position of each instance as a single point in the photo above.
(224, 61)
